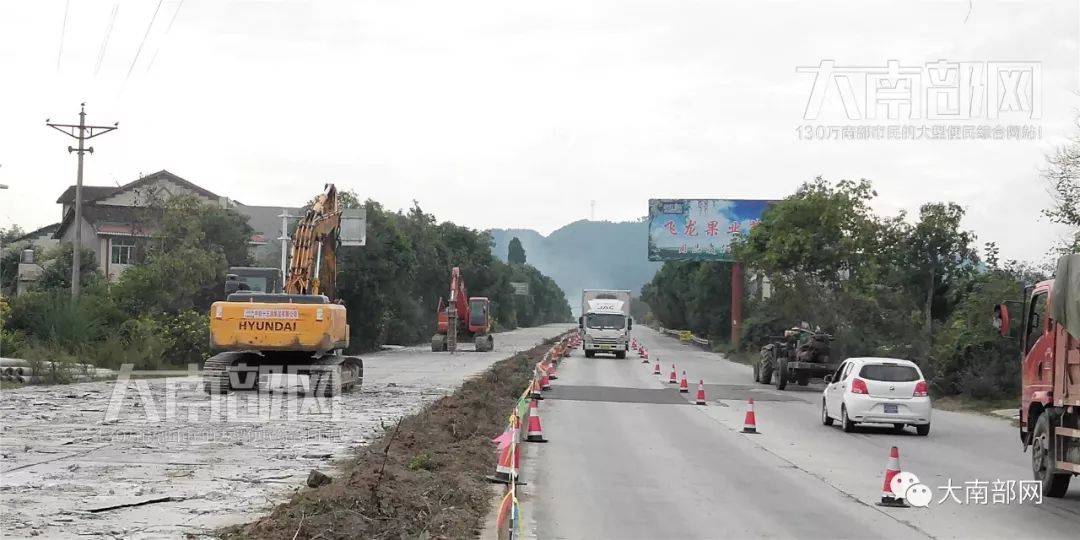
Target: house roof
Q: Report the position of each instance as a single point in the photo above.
(89, 193)
(118, 220)
(93, 193)
(48, 229)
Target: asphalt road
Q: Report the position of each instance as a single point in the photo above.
(64, 461)
(630, 457)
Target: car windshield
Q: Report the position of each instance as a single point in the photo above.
(605, 320)
(889, 373)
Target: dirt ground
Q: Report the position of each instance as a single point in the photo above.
(422, 478)
(159, 458)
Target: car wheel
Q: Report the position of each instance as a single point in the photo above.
(589, 354)
(922, 429)
(1043, 459)
(849, 426)
(825, 418)
(898, 428)
(620, 355)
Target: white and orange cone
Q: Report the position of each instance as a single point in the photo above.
(545, 383)
(892, 468)
(644, 356)
(684, 387)
(536, 433)
(700, 399)
(673, 379)
(750, 422)
(656, 370)
(551, 371)
(536, 389)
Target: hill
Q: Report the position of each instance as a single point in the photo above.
(586, 255)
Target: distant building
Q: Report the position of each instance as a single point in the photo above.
(114, 218)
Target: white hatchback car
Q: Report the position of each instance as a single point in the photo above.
(877, 391)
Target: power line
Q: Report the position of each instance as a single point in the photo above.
(105, 41)
(143, 42)
(167, 30)
(63, 31)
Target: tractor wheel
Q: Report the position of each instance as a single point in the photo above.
(767, 367)
(782, 374)
(803, 379)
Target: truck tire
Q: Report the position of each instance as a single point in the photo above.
(803, 379)
(1043, 459)
(782, 373)
(589, 354)
(620, 354)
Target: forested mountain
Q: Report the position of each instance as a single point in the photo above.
(586, 255)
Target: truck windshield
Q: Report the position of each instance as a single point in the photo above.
(605, 320)
(889, 373)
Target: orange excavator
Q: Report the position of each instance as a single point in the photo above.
(461, 316)
(301, 331)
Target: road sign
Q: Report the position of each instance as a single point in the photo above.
(700, 229)
(353, 227)
(520, 288)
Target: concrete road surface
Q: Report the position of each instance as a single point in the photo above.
(631, 457)
(71, 455)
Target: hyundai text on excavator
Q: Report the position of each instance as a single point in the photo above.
(301, 331)
(461, 316)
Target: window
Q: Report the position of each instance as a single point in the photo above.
(122, 250)
(847, 371)
(839, 371)
(1035, 320)
(598, 321)
(889, 373)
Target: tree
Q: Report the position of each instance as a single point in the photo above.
(515, 253)
(1062, 176)
(10, 233)
(942, 253)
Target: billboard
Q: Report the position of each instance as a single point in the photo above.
(700, 229)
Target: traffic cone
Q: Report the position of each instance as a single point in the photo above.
(892, 468)
(644, 354)
(545, 383)
(551, 372)
(700, 400)
(673, 379)
(536, 433)
(536, 389)
(684, 387)
(656, 370)
(750, 422)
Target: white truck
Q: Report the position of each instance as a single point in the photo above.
(605, 322)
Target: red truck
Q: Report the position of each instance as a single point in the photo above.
(1049, 339)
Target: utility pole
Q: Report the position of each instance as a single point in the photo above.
(284, 238)
(82, 133)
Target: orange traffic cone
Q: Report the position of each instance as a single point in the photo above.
(551, 371)
(684, 387)
(673, 379)
(545, 383)
(536, 433)
(892, 468)
(656, 370)
(750, 423)
(536, 389)
(644, 354)
(700, 400)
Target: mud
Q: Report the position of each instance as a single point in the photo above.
(162, 459)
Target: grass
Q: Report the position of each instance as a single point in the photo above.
(422, 478)
(962, 403)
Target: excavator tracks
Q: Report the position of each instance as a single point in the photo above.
(241, 371)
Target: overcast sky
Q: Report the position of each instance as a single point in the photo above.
(517, 114)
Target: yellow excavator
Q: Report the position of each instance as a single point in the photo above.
(301, 331)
